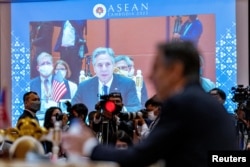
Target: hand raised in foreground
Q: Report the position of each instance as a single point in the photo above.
(74, 140)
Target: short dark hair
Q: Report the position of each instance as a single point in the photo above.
(122, 136)
(81, 109)
(91, 116)
(193, 17)
(116, 94)
(220, 92)
(48, 115)
(26, 95)
(184, 52)
(152, 101)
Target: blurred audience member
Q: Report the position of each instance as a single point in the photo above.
(91, 118)
(52, 115)
(122, 140)
(78, 110)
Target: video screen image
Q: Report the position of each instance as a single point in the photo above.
(65, 64)
(100, 47)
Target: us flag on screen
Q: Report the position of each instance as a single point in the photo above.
(4, 117)
(58, 87)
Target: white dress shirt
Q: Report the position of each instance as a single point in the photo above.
(68, 37)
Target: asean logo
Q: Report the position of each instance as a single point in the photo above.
(99, 10)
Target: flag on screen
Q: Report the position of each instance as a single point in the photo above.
(58, 87)
(4, 117)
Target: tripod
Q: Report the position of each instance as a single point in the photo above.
(241, 127)
(108, 128)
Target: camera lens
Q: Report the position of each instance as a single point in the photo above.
(59, 117)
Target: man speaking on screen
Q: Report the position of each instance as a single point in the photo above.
(191, 122)
(106, 82)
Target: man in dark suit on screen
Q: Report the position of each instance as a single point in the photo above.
(106, 82)
(43, 84)
(191, 123)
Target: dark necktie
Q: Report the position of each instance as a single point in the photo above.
(46, 86)
(105, 89)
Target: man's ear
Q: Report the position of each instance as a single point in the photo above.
(25, 103)
(178, 69)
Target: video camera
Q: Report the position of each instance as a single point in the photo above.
(240, 93)
(126, 116)
(106, 104)
(59, 117)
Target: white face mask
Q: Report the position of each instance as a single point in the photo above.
(151, 115)
(46, 70)
(124, 72)
(63, 73)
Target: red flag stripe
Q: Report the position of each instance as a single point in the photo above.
(59, 89)
(4, 116)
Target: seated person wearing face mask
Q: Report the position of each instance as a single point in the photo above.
(153, 108)
(46, 84)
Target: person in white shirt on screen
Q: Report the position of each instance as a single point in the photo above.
(72, 45)
(63, 67)
(106, 82)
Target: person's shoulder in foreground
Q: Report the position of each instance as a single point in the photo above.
(191, 123)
